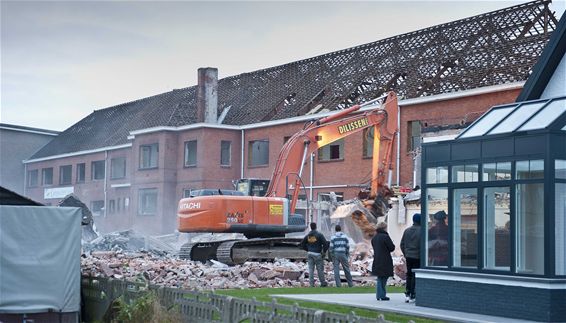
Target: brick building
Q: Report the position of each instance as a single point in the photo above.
(132, 163)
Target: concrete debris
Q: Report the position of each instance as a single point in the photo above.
(130, 241)
(171, 271)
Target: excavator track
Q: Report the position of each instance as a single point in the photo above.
(262, 249)
(200, 251)
(234, 252)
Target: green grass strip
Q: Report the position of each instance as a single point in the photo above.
(263, 294)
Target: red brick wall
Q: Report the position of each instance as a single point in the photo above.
(453, 111)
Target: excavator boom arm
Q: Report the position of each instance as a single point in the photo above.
(329, 129)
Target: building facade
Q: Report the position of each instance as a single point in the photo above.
(132, 163)
(19, 143)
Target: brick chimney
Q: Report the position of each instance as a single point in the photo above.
(207, 95)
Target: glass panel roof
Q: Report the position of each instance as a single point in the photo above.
(487, 122)
(522, 116)
(545, 117)
(519, 115)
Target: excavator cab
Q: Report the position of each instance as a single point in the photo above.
(252, 186)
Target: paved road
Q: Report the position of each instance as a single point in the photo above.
(397, 305)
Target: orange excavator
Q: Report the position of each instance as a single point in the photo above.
(265, 220)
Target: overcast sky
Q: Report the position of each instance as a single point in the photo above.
(62, 60)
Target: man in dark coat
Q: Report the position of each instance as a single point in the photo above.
(382, 266)
(411, 248)
(315, 244)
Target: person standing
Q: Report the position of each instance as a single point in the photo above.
(411, 248)
(340, 252)
(438, 240)
(382, 266)
(315, 244)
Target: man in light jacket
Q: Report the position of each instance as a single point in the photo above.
(340, 252)
(411, 248)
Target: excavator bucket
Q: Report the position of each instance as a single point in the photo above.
(365, 211)
(379, 204)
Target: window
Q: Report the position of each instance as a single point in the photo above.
(97, 208)
(437, 175)
(258, 153)
(465, 173)
(111, 206)
(81, 173)
(497, 228)
(530, 169)
(368, 142)
(497, 171)
(190, 153)
(47, 176)
(437, 227)
(560, 169)
(186, 193)
(560, 227)
(118, 168)
(530, 228)
(33, 178)
(148, 156)
(546, 116)
(465, 242)
(147, 201)
(225, 152)
(332, 151)
(98, 170)
(65, 173)
(414, 135)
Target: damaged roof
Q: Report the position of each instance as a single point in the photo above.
(489, 49)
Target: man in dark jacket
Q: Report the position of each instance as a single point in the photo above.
(315, 245)
(411, 248)
(382, 266)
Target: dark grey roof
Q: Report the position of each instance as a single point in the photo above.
(489, 49)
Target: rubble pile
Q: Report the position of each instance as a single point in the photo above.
(134, 257)
(171, 271)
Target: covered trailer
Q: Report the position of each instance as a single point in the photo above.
(40, 250)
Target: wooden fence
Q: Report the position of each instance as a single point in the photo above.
(99, 293)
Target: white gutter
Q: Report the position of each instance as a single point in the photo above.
(105, 183)
(36, 131)
(398, 159)
(242, 149)
(311, 176)
(335, 186)
(25, 179)
(463, 94)
(78, 153)
(183, 128)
